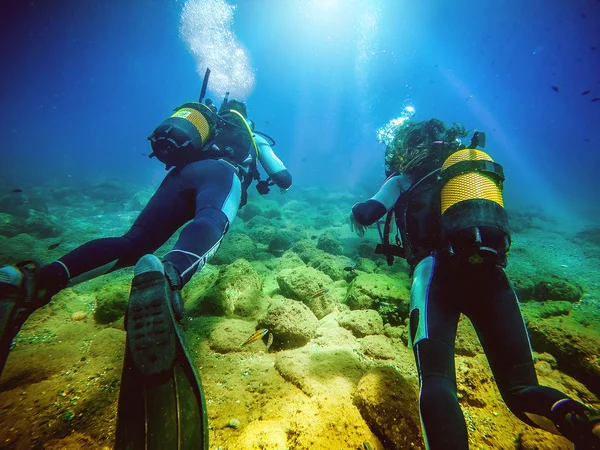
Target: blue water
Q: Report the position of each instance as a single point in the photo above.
(83, 83)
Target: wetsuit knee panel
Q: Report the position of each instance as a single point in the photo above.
(418, 300)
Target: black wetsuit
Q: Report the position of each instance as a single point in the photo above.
(442, 289)
(207, 193)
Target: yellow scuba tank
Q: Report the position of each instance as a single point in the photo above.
(474, 222)
(185, 136)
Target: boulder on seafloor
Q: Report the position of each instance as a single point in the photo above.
(237, 290)
(291, 323)
(307, 285)
(111, 303)
(388, 295)
(389, 405)
(235, 246)
(378, 347)
(228, 335)
(361, 322)
(329, 243)
(555, 288)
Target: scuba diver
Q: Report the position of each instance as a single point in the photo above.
(213, 155)
(453, 231)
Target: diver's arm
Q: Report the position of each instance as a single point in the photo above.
(367, 213)
(272, 164)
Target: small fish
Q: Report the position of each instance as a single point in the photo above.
(586, 92)
(17, 191)
(53, 246)
(595, 99)
(269, 342)
(313, 236)
(319, 293)
(258, 334)
(349, 268)
(555, 88)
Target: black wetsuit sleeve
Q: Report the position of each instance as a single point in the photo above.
(368, 212)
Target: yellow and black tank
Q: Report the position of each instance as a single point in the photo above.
(474, 222)
(185, 136)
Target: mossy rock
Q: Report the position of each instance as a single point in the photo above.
(111, 303)
(328, 243)
(291, 323)
(389, 295)
(361, 323)
(310, 286)
(235, 246)
(237, 290)
(555, 288)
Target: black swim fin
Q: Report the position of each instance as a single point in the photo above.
(161, 402)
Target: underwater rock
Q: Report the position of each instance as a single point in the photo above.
(328, 243)
(591, 235)
(280, 242)
(379, 291)
(15, 205)
(237, 290)
(523, 286)
(41, 225)
(262, 234)
(109, 191)
(307, 285)
(228, 335)
(378, 347)
(291, 323)
(288, 260)
(331, 265)
(365, 265)
(362, 322)
(108, 343)
(389, 405)
(555, 288)
(111, 303)
(467, 342)
(575, 347)
(322, 371)
(10, 225)
(330, 334)
(235, 246)
(140, 199)
(250, 210)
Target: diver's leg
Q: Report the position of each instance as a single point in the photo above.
(494, 310)
(217, 193)
(433, 323)
(24, 287)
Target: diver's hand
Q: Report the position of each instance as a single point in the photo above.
(357, 227)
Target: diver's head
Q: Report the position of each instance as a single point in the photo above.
(236, 105)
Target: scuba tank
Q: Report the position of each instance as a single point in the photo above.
(474, 222)
(184, 136)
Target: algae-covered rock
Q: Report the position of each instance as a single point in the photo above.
(331, 265)
(523, 286)
(280, 242)
(108, 343)
(111, 303)
(41, 225)
(362, 322)
(288, 260)
(329, 243)
(555, 288)
(389, 295)
(237, 290)
(321, 371)
(11, 225)
(307, 284)
(291, 323)
(229, 335)
(389, 405)
(377, 346)
(575, 347)
(235, 246)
